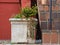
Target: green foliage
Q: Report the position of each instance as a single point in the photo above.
(28, 11)
(34, 10)
(18, 16)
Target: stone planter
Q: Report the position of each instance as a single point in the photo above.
(19, 30)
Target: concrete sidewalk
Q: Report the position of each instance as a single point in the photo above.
(29, 44)
(20, 44)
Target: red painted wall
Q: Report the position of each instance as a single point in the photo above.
(9, 0)
(6, 11)
(25, 3)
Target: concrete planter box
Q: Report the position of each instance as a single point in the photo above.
(19, 30)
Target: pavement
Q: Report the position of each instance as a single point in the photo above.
(29, 44)
(7, 42)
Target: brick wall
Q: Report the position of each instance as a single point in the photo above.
(50, 36)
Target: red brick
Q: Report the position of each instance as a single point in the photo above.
(54, 37)
(46, 8)
(46, 38)
(59, 38)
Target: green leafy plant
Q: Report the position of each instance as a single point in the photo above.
(34, 10)
(28, 11)
(18, 16)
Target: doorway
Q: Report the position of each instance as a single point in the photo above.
(7, 9)
(38, 32)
